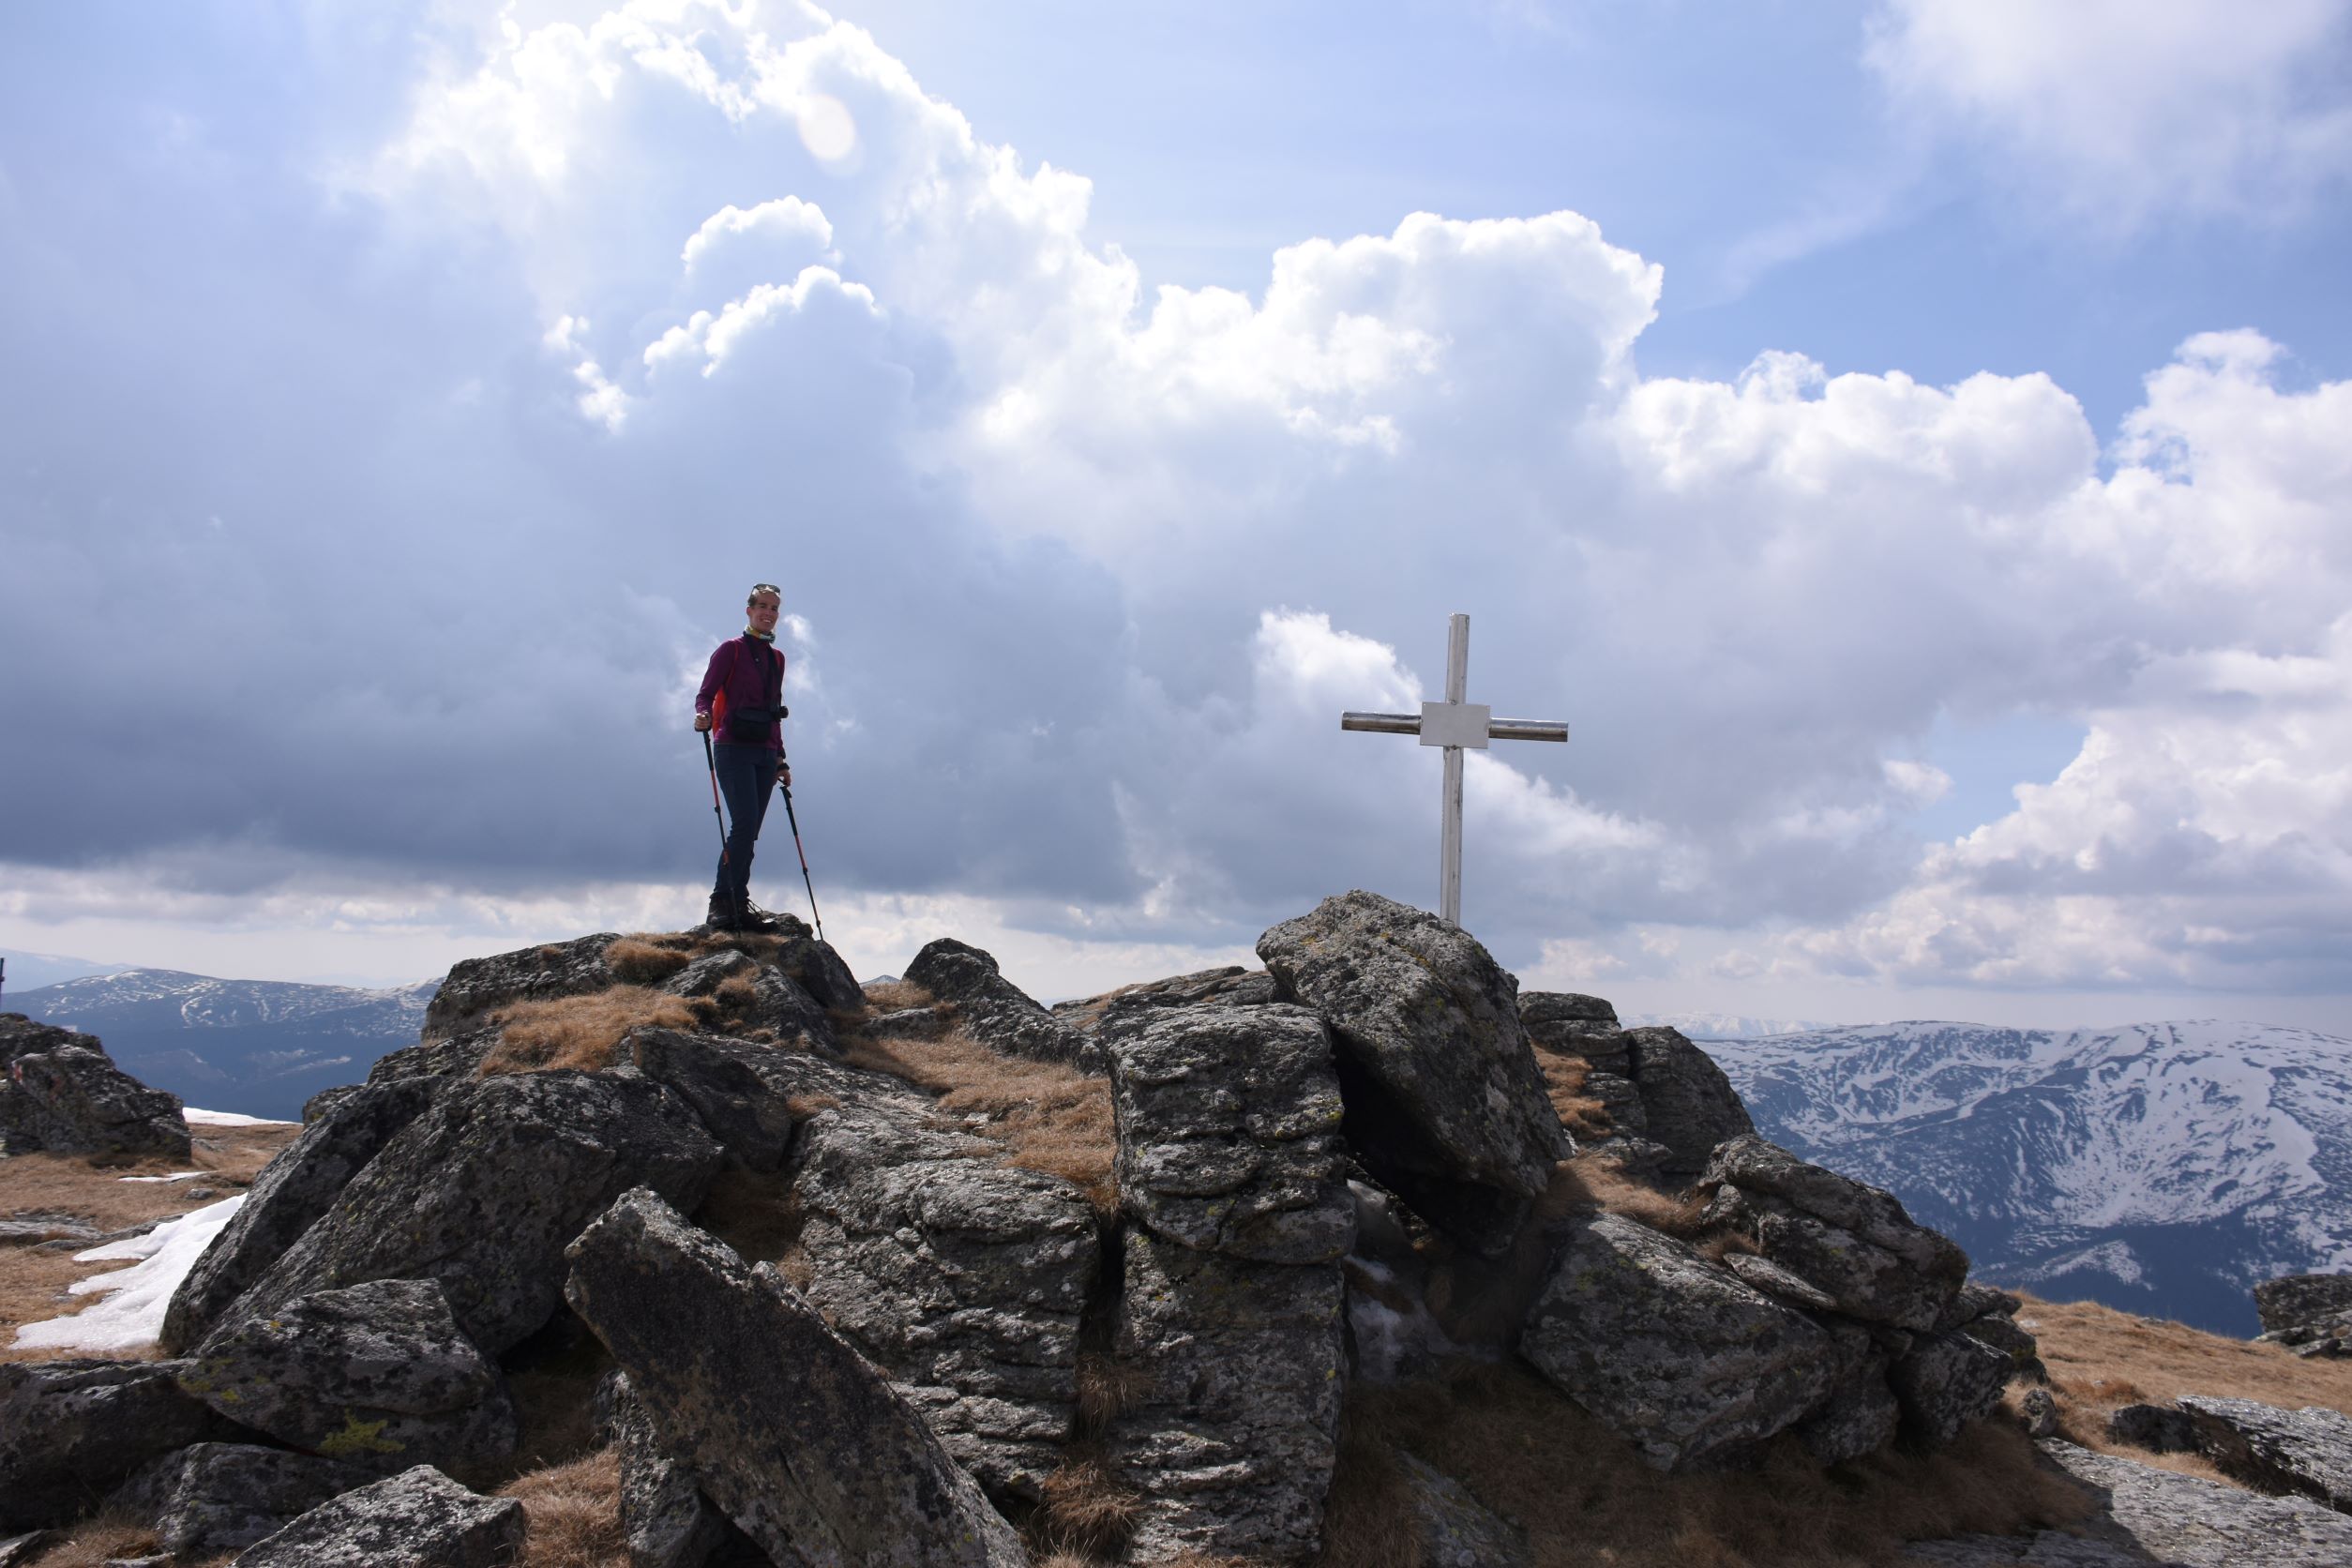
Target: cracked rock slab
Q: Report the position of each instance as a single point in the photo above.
(1229, 1124)
(2307, 1451)
(962, 1280)
(799, 1439)
(1233, 1442)
(1673, 1353)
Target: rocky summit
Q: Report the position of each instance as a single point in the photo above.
(939, 1275)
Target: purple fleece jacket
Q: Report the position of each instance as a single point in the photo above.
(744, 673)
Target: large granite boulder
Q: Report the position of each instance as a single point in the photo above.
(1445, 1103)
(751, 1096)
(376, 1375)
(218, 1497)
(962, 1280)
(1569, 1025)
(70, 1431)
(1130, 1010)
(20, 1035)
(1852, 1241)
(2310, 1311)
(1688, 1104)
(1672, 1353)
(484, 1190)
(292, 1191)
(418, 1518)
(2307, 1451)
(1229, 1124)
(476, 988)
(813, 966)
(1232, 1443)
(966, 983)
(782, 1423)
(2161, 1516)
(71, 1099)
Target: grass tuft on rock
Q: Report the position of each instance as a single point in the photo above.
(574, 1513)
(583, 1031)
(1044, 1115)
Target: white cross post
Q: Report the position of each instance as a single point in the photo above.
(1454, 724)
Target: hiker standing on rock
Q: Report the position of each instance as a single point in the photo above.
(741, 705)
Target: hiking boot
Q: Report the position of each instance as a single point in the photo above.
(722, 915)
(757, 919)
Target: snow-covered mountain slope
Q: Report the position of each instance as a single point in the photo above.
(2161, 1167)
(259, 1046)
(1724, 1026)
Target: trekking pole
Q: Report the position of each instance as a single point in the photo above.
(710, 759)
(794, 820)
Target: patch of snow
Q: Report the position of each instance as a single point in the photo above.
(131, 1315)
(175, 1176)
(227, 1119)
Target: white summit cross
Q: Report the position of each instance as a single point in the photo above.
(1454, 724)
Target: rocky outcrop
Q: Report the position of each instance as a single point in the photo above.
(1126, 1012)
(476, 988)
(1688, 1106)
(1852, 1243)
(2311, 1312)
(2180, 1519)
(767, 1001)
(288, 1197)
(70, 1099)
(1229, 1127)
(1445, 1104)
(420, 1518)
(782, 1424)
(20, 1035)
(377, 1376)
(218, 1497)
(1232, 1438)
(752, 1095)
(485, 1188)
(2307, 1451)
(814, 967)
(1673, 1352)
(1667, 1103)
(961, 1279)
(70, 1431)
(968, 987)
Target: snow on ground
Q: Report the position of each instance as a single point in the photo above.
(131, 1315)
(175, 1176)
(227, 1119)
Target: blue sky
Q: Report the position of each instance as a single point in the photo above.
(1907, 440)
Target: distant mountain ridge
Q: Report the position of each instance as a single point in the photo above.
(2160, 1168)
(1724, 1026)
(258, 1046)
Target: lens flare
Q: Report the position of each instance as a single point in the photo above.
(827, 129)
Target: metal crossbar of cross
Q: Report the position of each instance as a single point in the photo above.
(1454, 724)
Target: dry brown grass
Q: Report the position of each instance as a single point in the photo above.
(643, 961)
(575, 1513)
(583, 1031)
(1045, 1116)
(33, 1280)
(1534, 1457)
(896, 996)
(91, 1543)
(1563, 1079)
(2101, 1359)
